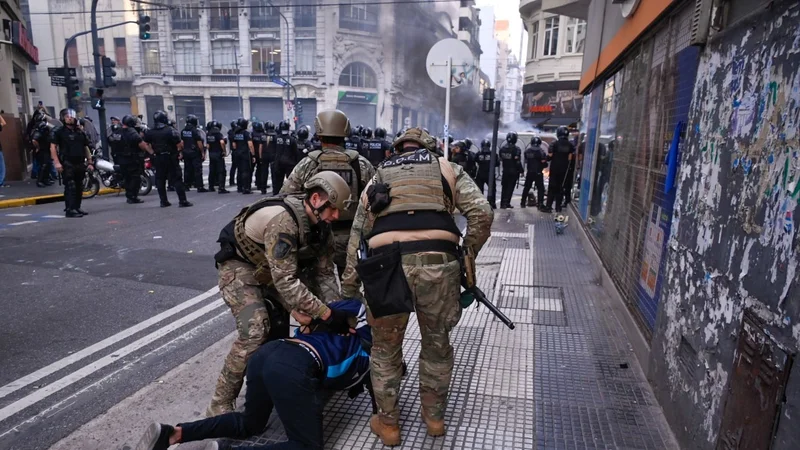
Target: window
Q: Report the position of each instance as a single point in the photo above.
(224, 56)
(358, 75)
(305, 17)
(224, 15)
(304, 51)
(121, 52)
(101, 46)
(264, 52)
(576, 36)
(184, 17)
(262, 15)
(186, 57)
(151, 58)
(359, 16)
(551, 36)
(72, 54)
(535, 40)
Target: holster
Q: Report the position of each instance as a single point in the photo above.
(386, 288)
(225, 253)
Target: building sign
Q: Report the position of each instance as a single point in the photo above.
(550, 104)
(19, 38)
(358, 97)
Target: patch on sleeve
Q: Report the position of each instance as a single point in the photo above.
(283, 246)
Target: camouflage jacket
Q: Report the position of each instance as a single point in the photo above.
(283, 257)
(468, 200)
(307, 168)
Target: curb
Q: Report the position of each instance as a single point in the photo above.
(43, 199)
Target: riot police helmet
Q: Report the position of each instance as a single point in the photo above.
(130, 121)
(258, 126)
(486, 144)
(269, 126)
(39, 116)
(242, 123)
(562, 132)
(42, 126)
(334, 186)
(191, 119)
(449, 139)
(468, 143)
(209, 124)
(380, 133)
(511, 137)
(536, 141)
(283, 127)
(302, 133)
(233, 124)
(67, 113)
(332, 123)
(366, 133)
(160, 117)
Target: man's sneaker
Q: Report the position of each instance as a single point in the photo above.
(389, 434)
(156, 437)
(185, 204)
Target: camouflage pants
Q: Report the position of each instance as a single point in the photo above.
(435, 289)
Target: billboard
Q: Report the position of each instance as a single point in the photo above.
(551, 104)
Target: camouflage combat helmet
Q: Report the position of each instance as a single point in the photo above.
(332, 123)
(418, 136)
(337, 189)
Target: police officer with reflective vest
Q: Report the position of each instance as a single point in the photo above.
(69, 150)
(128, 149)
(404, 223)
(259, 143)
(278, 253)
(287, 155)
(561, 154)
(511, 159)
(332, 127)
(535, 161)
(41, 143)
(464, 158)
(215, 145)
(166, 144)
(244, 154)
(193, 154)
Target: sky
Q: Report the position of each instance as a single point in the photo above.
(508, 10)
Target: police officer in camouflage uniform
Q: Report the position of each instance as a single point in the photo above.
(418, 223)
(332, 127)
(276, 256)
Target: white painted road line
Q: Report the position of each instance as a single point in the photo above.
(105, 343)
(22, 223)
(87, 370)
(17, 215)
(52, 217)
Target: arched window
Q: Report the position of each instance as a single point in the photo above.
(358, 75)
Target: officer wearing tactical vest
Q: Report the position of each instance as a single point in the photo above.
(259, 142)
(193, 154)
(128, 150)
(286, 155)
(535, 162)
(484, 160)
(408, 243)
(278, 253)
(332, 127)
(385, 147)
(232, 176)
(244, 154)
(165, 142)
(215, 146)
(464, 158)
(69, 149)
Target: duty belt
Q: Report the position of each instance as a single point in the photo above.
(448, 251)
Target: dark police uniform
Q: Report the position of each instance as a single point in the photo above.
(510, 156)
(216, 159)
(269, 153)
(232, 176)
(164, 140)
(42, 137)
(259, 144)
(131, 163)
(466, 160)
(72, 143)
(483, 159)
(192, 157)
(304, 147)
(287, 157)
(561, 154)
(353, 143)
(535, 162)
(376, 150)
(243, 159)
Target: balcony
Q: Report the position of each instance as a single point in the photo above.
(468, 13)
(570, 8)
(465, 36)
(528, 7)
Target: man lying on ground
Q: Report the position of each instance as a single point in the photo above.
(290, 375)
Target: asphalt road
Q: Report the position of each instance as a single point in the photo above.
(86, 305)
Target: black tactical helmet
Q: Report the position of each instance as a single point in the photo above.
(359, 130)
(42, 126)
(562, 132)
(270, 126)
(160, 117)
(242, 123)
(449, 138)
(283, 126)
(486, 144)
(380, 133)
(536, 141)
(468, 143)
(131, 121)
(302, 133)
(216, 124)
(511, 137)
(191, 119)
(366, 133)
(67, 112)
(209, 124)
(258, 126)
(39, 115)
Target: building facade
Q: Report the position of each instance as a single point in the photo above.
(556, 42)
(688, 191)
(512, 90)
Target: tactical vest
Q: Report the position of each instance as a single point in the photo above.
(254, 251)
(345, 164)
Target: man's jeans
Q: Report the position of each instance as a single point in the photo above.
(282, 375)
(2, 170)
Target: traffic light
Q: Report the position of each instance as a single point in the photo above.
(488, 100)
(298, 110)
(73, 86)
(108, 72)
(271, 70)
(144, 27)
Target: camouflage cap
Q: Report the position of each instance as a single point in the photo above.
(418, 136)
(332, 123)
(334, 185)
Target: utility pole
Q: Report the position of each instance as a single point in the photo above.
(98, 80)
(493, 158)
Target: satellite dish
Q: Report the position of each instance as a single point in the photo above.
(628, 7)
(462, 69)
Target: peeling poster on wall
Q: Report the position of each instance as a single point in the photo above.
(653, 250)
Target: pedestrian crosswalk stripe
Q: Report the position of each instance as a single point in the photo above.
(22, 223)
(17, 215)
(52, 217)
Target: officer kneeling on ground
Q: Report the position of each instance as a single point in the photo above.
(291, 376)
(408, 241)
(283, 245)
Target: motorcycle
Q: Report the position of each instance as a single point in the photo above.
(109, 175)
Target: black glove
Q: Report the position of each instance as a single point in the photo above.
(338, 322)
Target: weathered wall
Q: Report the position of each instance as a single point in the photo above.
(734, 242)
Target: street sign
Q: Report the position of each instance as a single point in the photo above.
(60, 72)
(278, 81)
(58, 81)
